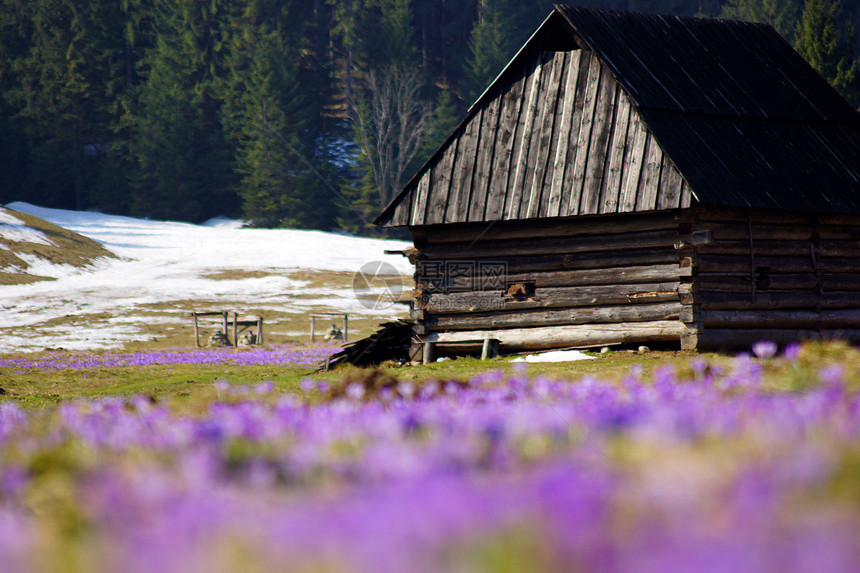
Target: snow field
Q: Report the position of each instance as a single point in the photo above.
(163, 264)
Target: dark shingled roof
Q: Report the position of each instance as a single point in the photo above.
(745, 119)
(704, 66)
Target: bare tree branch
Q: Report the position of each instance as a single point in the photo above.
(391, 127)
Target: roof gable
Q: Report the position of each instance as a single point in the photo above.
(723, 112)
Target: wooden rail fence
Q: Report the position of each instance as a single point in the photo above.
(226, 323)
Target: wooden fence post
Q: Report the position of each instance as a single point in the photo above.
(235, 329)
(487, 349)
(196, 330)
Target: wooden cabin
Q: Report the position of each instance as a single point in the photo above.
(631, 178)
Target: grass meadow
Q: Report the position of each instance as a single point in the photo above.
(185, 460)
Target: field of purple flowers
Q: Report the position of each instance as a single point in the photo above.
(300, 355)
(749, 465)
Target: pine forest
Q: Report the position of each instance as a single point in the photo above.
(286, 113)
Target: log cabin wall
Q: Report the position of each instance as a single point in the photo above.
(708, 277)
(564, 282)
(764, 275)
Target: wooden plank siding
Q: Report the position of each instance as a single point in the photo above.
(462, 171)
(544, 139)
(484, 168)
(522, 138)
(500, 162)
(581, 144)
(561, 138)
(567, 103)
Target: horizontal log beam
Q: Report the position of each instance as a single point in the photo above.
(454, 233)
(829, 319)
(775, 300)
(720, 282)
(552, 317)
(560, 297)
(759, 319)
(776, 265)
(840, 282)
(763, 248)
(559, 262)
(516, 339)
(839, 232)
(741, 231)
(837, 249)
(606, 276)
(826, 248)
(561, 245)
(741, 263)
(710, 213)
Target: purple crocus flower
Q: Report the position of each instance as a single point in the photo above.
(792, 351)
(764, 349)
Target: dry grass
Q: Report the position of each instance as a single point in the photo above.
(239, 274)
(7, 278)
(67, 248)
(77, 319)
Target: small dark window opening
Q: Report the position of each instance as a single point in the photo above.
(521, 291)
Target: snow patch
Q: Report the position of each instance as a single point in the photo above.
(17, 231)
(555, 356)
(40, 267)
(222, 223)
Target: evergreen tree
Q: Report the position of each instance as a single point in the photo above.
(827, 44)
(13, 141)
(273, 111)
(261, 157)
(62, 73)
(500, 28)
(392, 42)
(487, 51)
(781, 14)
(184, 159)
(442, 122)
(345, 24)
(182, 109)
(375, 34)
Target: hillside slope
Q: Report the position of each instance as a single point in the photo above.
(32, 249)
